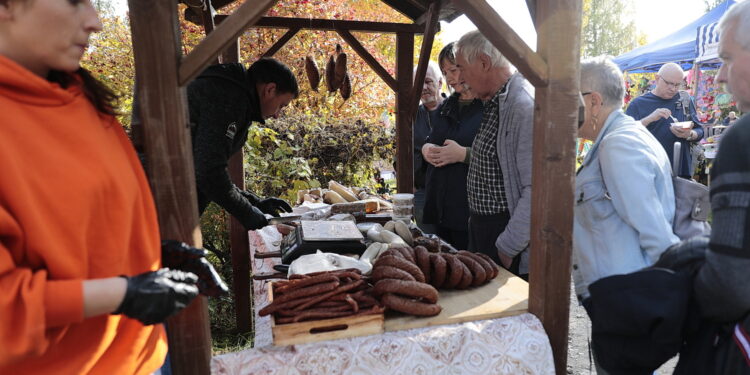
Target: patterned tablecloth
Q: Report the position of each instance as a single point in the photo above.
(512, 345)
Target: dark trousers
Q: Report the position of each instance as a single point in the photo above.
(483, 232)
(419, 201)
(457, 238)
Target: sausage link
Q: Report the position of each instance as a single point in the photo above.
(412, 289)
(409, 306)
(311, 290)
(495, 267)
(477, 271)
(438, 270)
(423, 261)
(455, 271)
(323, 297)
(488, 270)
(387, 272)
(283, 287)
(402, 264)
(466, 276)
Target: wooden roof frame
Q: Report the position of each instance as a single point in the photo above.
(554, 70)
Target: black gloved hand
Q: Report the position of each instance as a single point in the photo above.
(685, 256)
(154, 296)
(273, 206)
(255, 219)
(181, 256)
(270, 206)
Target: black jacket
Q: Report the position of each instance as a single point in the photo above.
(446, 202)
(223, 102)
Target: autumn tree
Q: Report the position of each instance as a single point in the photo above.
(608, 28)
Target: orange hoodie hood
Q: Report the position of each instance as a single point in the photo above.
(20, 84)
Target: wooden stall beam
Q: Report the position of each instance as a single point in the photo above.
(224, 35)
(531, 4)
(207, 13)
(238, 240)
(368, 58)
(281, 42)
(424, 56)
(505, 39)
(333, 25)
(555, 126)
(404, 145)
(447, 9)
(163, 109)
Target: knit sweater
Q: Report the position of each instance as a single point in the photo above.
(723, 283)
(74, 205)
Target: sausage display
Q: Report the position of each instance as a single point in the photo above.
(406, 278)
(322, 295)
(403, 279)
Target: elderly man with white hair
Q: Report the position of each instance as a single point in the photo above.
(431, 99)
(665, 105)
(499, 178)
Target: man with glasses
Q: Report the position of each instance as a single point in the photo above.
(665, 105)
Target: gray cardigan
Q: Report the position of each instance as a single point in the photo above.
(514, 140)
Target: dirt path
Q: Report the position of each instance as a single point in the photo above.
(578, 348)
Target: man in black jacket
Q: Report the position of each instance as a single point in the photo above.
(223, 101)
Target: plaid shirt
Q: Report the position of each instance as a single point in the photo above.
(485, 180)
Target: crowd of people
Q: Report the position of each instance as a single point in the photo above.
(89, 280)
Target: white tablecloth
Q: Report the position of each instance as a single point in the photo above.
(512, 345)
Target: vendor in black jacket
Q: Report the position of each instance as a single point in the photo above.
(223, 101)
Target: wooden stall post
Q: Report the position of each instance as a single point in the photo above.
(404, 119)
(163, 110)
(238, 240)
(555, 125)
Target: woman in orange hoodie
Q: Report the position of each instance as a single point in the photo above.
(76, 212)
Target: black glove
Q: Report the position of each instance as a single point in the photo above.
(180, 256)
(273, 206)
(254, 219)
(685, 256)
(270, 206)
(154, 296)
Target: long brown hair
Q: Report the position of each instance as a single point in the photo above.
(101, 96)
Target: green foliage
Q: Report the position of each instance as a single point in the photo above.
(110, 60)
(301, 151)
(608, 28)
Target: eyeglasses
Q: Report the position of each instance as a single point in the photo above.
(675, 85)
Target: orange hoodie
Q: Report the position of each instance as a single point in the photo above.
(74, 205)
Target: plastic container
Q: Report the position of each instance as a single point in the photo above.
(403, 199)
(403, 211)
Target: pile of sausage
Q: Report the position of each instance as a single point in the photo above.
(406, 279)
(322, 295)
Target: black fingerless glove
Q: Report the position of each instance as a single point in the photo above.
(154, 296)
(180, 256)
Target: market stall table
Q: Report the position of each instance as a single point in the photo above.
(509, 345)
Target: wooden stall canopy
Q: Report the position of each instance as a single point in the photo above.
(163, 73)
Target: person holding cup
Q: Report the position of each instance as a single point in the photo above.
(667, 104)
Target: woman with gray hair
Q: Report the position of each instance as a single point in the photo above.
(624, 199)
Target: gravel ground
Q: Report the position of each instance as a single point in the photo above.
(578, 347)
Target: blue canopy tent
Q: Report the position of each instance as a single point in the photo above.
(679, 47)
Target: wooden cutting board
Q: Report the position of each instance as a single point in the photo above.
(506, 295)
